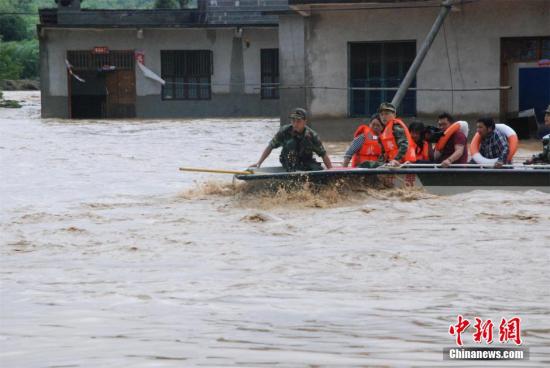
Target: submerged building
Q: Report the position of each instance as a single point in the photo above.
(217, 59)
(337, 58)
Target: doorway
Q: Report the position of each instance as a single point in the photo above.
(519, 59)
(109, 87)
(534, 90)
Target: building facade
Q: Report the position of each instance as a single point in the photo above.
(217, 60)
(335, 48)
(264, 57)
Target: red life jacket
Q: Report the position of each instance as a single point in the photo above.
(370, 150)
(390, 145)
(422, 153)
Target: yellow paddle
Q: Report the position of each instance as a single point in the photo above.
(216, 171)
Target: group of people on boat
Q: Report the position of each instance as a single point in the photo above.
(387, 140)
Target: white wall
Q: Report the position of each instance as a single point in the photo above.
(473, 39)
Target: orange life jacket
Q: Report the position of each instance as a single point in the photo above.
(370, 150)
(390, 145)
(422, 153)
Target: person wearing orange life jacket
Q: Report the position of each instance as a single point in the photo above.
(493, 143)
(366, 150)
(395, 138)
(454, 151)
(422, 148)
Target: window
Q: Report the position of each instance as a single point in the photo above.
(525, 49)
(545, 52)
(378, 65)
(270, 73)
(187, 74)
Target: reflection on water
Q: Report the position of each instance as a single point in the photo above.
(112, 257)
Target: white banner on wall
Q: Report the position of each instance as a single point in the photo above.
(70, 69)
(148, 73)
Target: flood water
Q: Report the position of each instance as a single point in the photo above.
(111, 257)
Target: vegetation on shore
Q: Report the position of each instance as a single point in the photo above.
(11, 104)
(18, 43)
(8, 103)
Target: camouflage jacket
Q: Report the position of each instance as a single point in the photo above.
(302, 145)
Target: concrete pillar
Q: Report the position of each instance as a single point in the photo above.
(292, 57)
(237, 79)
(44, 71)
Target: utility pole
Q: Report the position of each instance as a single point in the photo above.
(446, 6)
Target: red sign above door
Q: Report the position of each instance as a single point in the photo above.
(100, 50)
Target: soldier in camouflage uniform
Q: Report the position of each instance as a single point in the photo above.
(298, 143)
(387, 112)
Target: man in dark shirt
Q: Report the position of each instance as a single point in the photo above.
(494, 144)
(455, 151)
(298, 143)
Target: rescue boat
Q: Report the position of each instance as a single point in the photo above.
(430, 177)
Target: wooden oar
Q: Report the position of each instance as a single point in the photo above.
(216, 171)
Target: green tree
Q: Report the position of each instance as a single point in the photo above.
(26, 55)
(66, 1)
(166, 4)
(25, 5)
(12, 28)
(9, 66)
(7, 5)
(188, 4)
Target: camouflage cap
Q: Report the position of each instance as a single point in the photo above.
(548, 109)
(298, 113)
(387, 107)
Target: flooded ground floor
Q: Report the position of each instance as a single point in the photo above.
(110, 257)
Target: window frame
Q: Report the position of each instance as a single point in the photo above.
(383, 74)
(267, 93)
(182, 59)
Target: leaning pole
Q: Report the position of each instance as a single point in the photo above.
(446, 6)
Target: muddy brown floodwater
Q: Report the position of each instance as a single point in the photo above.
(111, 257)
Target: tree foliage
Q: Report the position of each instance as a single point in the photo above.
(166, 4)
(19, 60)
(9, 67)
(189, 4)
(27, 55)
(13, 27)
